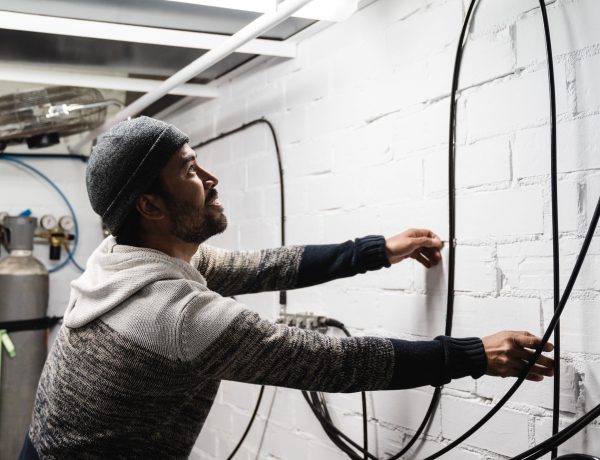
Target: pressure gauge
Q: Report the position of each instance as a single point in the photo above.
(48, 222)
(66, 223)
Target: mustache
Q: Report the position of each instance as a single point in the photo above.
(212, 195)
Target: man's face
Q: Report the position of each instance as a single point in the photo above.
(191, 198)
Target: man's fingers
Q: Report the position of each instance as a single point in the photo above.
(542, 370)
(432, 254)
(536, 373)
(427, 242)
(542, 360)
(534, 377)
(545, 361)
(525, 339)
(421, 259)
(416, 232)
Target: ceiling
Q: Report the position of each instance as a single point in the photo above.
(69, 52)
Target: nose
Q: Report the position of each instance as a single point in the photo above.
(208, 179)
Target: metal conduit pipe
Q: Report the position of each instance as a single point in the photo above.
(256, 28)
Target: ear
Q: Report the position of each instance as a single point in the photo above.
(151, 207)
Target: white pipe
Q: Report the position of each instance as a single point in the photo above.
(318, 10)
(257, 27)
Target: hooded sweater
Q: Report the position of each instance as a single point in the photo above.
(146, 339)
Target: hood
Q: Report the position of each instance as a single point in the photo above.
(116, 272)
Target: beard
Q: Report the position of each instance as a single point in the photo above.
(194, 224)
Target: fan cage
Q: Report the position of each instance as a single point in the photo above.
(24, 114)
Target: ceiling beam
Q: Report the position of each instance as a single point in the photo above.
(319, 10)
(137, 34)
(26, 74)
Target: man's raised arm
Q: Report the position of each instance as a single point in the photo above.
(241, 272)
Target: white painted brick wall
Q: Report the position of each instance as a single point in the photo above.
(362, 116)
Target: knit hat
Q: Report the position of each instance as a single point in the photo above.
(125, 162)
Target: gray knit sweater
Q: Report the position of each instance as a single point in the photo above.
(147, 338)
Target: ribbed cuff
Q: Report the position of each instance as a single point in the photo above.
(417, 363)
(463, 357)
(371, 252)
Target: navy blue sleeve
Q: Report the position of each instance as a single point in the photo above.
(436, 362)
(326, 262)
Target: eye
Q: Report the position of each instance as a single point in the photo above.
(191, 170)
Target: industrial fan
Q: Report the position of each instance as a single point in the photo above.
(40, 117)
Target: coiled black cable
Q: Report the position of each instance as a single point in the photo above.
(317, 403)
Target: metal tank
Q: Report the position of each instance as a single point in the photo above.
(23, 295)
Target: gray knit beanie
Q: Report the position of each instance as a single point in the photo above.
(125, 162)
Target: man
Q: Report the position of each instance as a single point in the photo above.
(150, 331)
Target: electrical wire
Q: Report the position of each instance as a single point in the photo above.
(70, 254)
(534, 357)
(277, 153)
(256, 407)
(555, 230)
(559, 438)
(282, 294)
(323, 416)
(47, 156)
(451, 228)
(320, 408)
(363, 396)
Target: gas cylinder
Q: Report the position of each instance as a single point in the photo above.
(23, 295)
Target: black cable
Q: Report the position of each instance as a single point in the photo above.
(321, 413)
(451, 228)
(282, 294)
(365, 417)
(239, 444)
(337, 437)
(555, 235)
(277, 153)
(534, 357)
(452, 232)
(555, 229)
(49, 156)
(365, 420)
(561, 437)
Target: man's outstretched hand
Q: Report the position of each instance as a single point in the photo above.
(420, 244)
(507, 354)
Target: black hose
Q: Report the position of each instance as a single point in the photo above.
(282, 294)
(534, 357)
(451, 225)
(562, 436)
(49, 156)
(555, 230)
(250, 423)
(277, 153)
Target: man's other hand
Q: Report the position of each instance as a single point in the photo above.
(420, 244)
(508, 352)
